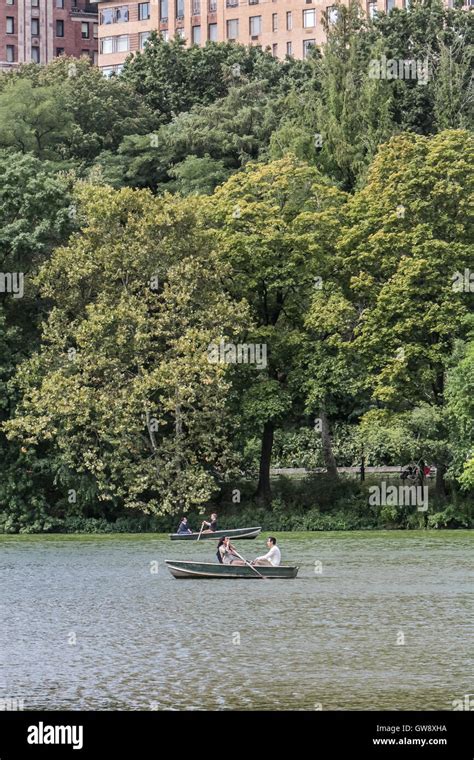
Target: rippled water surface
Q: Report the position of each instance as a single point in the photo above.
(145, 640)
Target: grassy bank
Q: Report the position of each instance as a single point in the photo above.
(315, 503)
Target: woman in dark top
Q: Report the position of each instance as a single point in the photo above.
(211, 526)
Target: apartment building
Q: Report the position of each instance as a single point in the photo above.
(286, 27)
(40, 30)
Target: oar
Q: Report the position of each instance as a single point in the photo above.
(248, 563)
(202, 526)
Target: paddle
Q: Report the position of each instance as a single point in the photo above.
(202, 526)
(248, 563)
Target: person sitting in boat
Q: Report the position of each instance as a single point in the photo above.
(226, 553)
(272, 557)
(211, 526)
(183, 526)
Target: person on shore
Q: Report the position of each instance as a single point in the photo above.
(272, 557)
(183, 526)
(211, 526)
(226, 553)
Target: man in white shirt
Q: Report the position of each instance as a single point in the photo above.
(272, 557)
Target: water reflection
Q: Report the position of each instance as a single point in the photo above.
(144, 640)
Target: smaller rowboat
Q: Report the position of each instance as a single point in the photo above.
(189, 569)
(235, 533)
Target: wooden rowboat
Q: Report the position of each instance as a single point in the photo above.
(235, 533)
(189, 569)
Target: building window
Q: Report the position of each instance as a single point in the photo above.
(121, 45)
(307, 45)
(289, 48)
(390, 5)
(143, 11)
(10, 2)
(196, 35)
(59, 3)
(212, 32)
(10, 53)
(289, 21)
(231, 3)
(196, 8)
(179, 9)
(274, 22)
(106, 45)
(35, 54)
(95, 31)
(163, 10)
(34, 3)
(107, 16)
(212, 6)
(107, 71)
(95, 57)
(143, 38)
(35, 27)
(232, 29)
(59, 28)
(165, 35)
(254, 2)
(85, 30)
(309, 19)
(255, 25)
(372, 9)
(10, 25)
(121, 14)
(275, 50)
(59, 51)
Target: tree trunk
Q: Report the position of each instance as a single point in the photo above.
(440, 486)
(328, 455)
(264, 491)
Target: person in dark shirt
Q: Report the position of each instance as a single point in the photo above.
(183, 526)
(210, 527)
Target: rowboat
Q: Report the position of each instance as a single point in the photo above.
(235, 533)
(189, 569)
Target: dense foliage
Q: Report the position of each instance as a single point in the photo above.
(218, 197)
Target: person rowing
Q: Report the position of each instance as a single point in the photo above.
(272, 557)
(226, 553)
(210, 527)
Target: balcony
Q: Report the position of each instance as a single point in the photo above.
(88, 10)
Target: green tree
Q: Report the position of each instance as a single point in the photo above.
(460, 409)
(277, 224)
(32, 119)
(407, 236)
(172, 78)
(123, 388)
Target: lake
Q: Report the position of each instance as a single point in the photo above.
(375, 620)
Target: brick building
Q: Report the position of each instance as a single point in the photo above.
(40, 30)
(286, 27)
